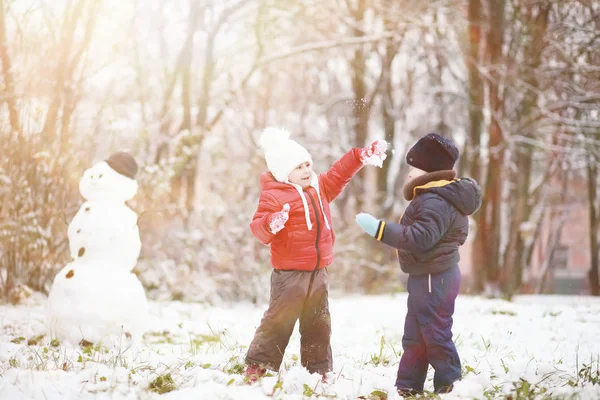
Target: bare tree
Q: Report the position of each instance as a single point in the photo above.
(9, 85)
(38, 148)
(535, 22)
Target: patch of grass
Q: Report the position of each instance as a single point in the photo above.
(308, 391)
(235, 365)
(467, 369)
(493, 392)
(586, 374)
(13, 363)
(486, 343)
(551, 314)
(504, 312)
(237, 368)
(523, 389)
(277, 387)
(380, 358)
(202, 338)
(89, 348)
(35, 340)
(162, 384)
(458, 340)
(378, 394)
(159, 337)
(198, 342)
(590, 374)
(55, 343)
(504, 366)
(18, 340)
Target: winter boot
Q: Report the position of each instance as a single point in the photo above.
(254, 372)
(407, 393)
(445, 389)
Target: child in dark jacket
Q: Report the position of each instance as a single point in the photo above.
(427, 238)
(293, 218)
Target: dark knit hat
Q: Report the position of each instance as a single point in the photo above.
(433, 153)
(123, 163)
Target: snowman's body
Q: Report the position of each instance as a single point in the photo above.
(105, 230)
(96, 297)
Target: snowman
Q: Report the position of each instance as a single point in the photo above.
(96, 297)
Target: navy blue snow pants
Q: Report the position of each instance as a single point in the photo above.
(428, 331)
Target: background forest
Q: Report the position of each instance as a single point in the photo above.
(187, 86)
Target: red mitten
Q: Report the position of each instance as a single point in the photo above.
(277, 220)
(374, 154)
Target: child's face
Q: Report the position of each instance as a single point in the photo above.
(415, 172)
(301, 175)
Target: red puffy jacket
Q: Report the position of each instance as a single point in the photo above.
(296, 247)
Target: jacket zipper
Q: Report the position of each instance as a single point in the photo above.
(312, 201)
(312, 275)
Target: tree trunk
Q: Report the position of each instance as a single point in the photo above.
(389, 123)
(514, 255)
(489, 226)
(592, 177)
(72, 15)
(471, 152)
(555, 235)
(183, 181)
(189, 173)
(513, 261)
(360, 109)
(9, 85)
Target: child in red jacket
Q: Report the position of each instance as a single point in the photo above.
(293, 217)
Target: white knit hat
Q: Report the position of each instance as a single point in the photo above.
(282, 154)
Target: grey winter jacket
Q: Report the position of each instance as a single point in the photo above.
(434, 226)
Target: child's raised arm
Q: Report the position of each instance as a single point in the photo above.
(431, 221)
(342, 171)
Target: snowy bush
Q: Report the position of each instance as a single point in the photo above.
(36, 202)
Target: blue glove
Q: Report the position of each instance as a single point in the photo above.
(368, 222)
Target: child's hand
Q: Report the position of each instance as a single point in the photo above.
(374, 154)
(277, 220)
(368, 222)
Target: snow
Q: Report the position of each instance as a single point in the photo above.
(198, 350)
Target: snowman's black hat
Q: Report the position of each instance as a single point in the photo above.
(123, 163)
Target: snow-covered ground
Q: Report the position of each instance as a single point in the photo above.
(533, 347)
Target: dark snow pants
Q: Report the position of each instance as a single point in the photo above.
(295, 295)
(428, 331)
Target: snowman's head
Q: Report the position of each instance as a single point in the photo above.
(103, 182)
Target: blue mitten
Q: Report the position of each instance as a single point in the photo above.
(368, 222)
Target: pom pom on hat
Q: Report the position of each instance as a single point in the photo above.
(123, 163)
(272, 137)
(282, 154)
